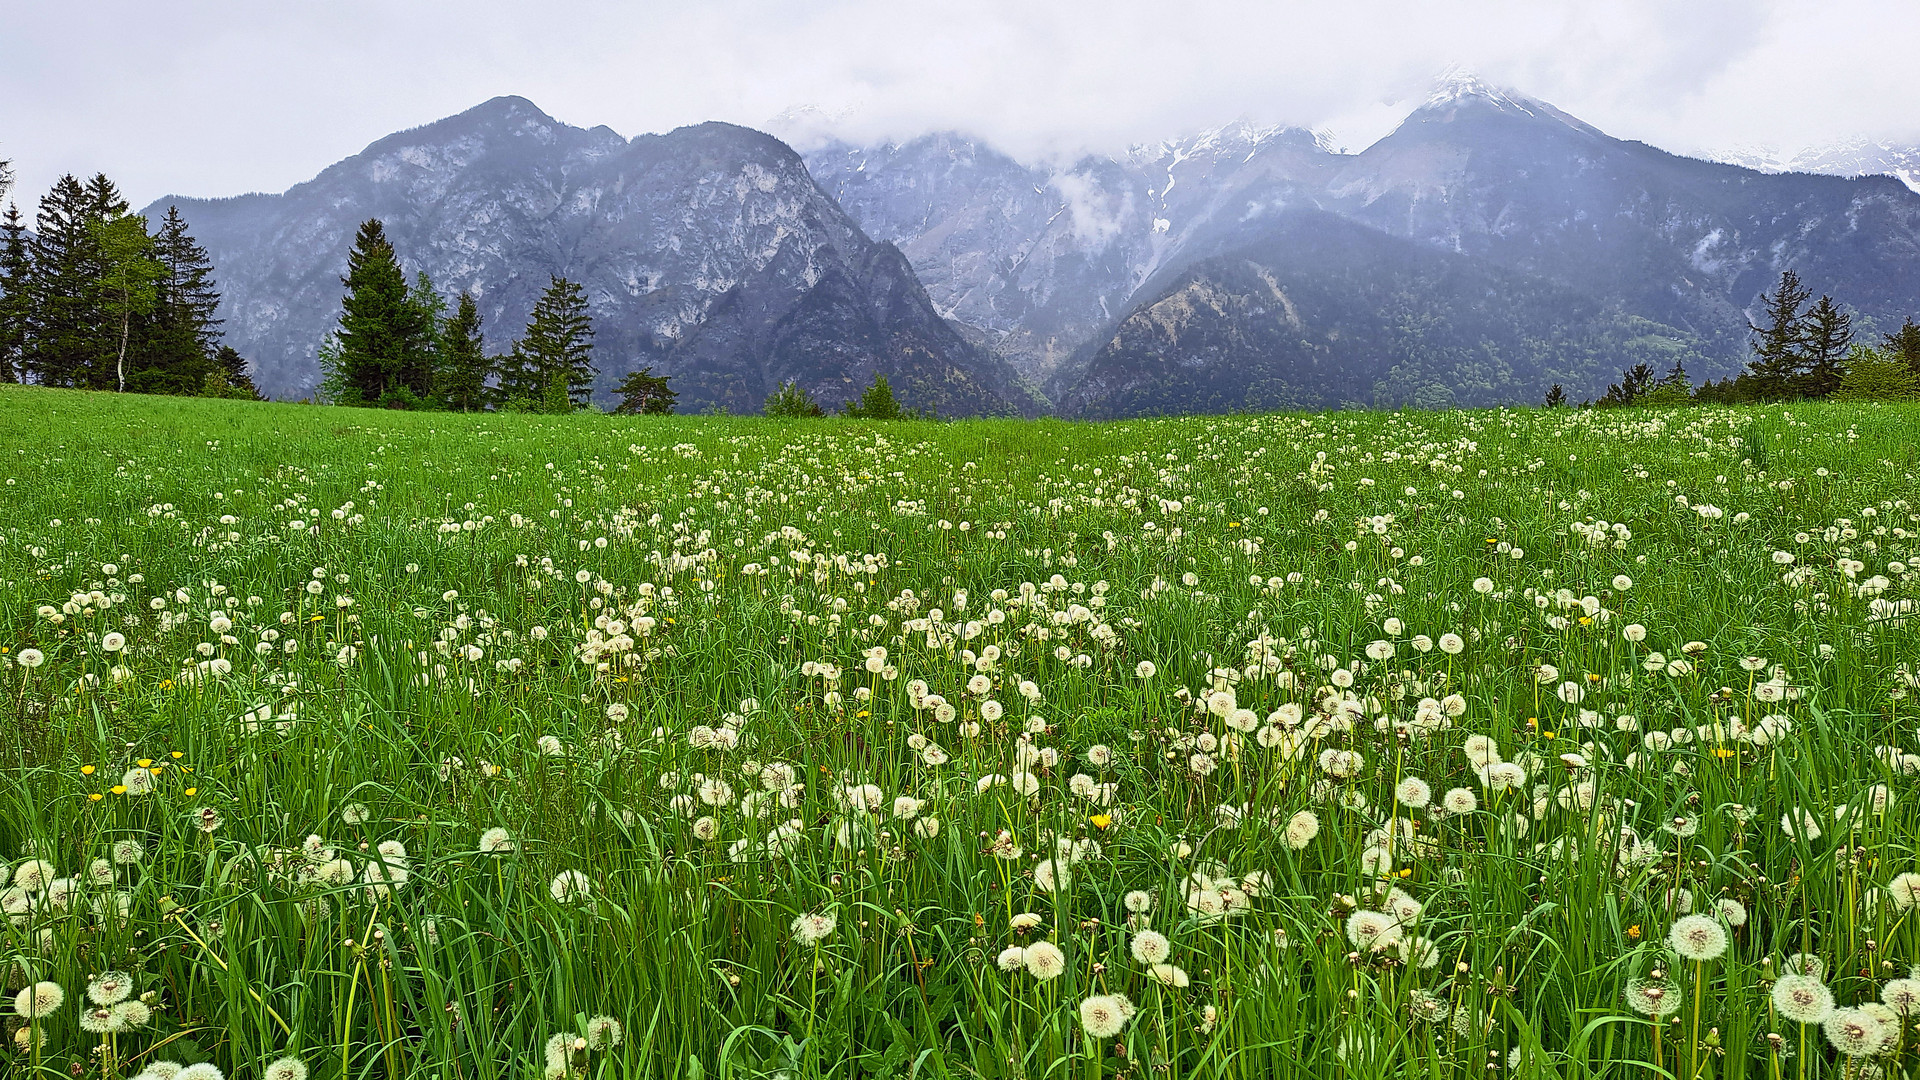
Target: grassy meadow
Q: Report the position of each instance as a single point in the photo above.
(344, 743)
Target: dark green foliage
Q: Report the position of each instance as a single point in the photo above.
(1904, 344)
(384, 353)
(16, 270)
(230, 371)
(1634, 382)
(1829, 335)
(643, 392)
(177, 345)
(461, 379)
(71, 343)
(878, 403)
(1556, 397)
(94, 302)
(1779, 346)
(1674, 388)
(551, 366)
(875, 403)
(793, 402)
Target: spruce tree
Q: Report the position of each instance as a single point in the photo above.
(181, 339)
(1556, 396)
(552, 364)
(16, 283)
(72, 344)
(461, 381)
(384, 344)
(1829, 336)
(1904, 344)
(230, 369)
(1779, 362)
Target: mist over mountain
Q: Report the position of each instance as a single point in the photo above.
(707, 252)
(1490, 246)
(1188, 260)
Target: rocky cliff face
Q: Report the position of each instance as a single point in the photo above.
(1601, 252)
(708, 252)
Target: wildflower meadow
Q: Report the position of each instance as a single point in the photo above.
(1529, 743)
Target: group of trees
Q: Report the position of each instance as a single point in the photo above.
(1805, 349)
(91, 300)
(398, 347)
(876, 402)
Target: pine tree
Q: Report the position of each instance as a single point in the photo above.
(461, 381)
(181, 340)
(1779, 362)
(1633, 385)
(644, 392)
(230, 368)
(1904, 344)
(552, 364)
(71, 345)
(1829, 336)
(1556, 396)
(384, 345)
(16, 283)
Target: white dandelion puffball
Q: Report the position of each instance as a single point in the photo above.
(1802, 999)
(1857, 1033)
(1103, 1016)
(570, 886)
(1151, 947)
(1045, 961)
(1698, 938)
(813, 928)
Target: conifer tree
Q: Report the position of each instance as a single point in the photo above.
(552, 364)
(71, 344)
(1779, 362)
(383, 353)
(1904, 344)
(16, 283)
(1556, 396)
(229, 377)
(1829, 336)
(182, 337)
(461, 381)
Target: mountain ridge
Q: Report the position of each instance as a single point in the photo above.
(660, 229)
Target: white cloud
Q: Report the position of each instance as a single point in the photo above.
(213, 98)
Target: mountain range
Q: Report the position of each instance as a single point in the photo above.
(707, 253)
(1489, 246)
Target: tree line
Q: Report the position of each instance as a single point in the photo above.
(398, 346)
(93, 298)
(1803, 350)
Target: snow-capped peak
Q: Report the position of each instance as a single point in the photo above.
(1456, 84)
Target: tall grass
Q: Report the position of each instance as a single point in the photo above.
(682, 658)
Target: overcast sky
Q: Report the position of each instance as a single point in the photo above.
(255, 95)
